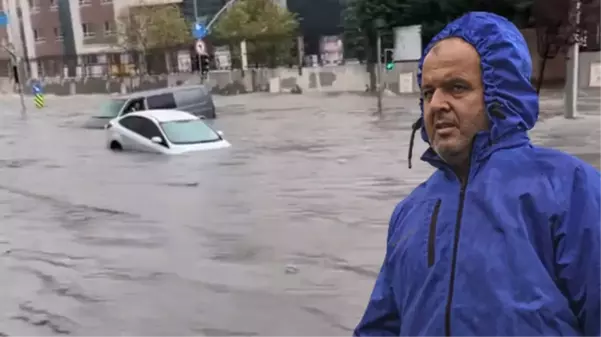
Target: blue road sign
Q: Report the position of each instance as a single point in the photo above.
(199, 30)
(36, 88)
(3, 19)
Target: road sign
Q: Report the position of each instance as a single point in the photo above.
(199, 30)
(3, 19)
(201, 48)
(36, 88)
(38, 95)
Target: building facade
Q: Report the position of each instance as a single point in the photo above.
(320, 21)
(51, 32)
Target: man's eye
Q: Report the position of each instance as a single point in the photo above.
(427, 95)
(457, 88)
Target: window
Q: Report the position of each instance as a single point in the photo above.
(37, 36)
(164, 101)
(58, 33)
(134, 105)
(111, 108)
(131, 123)
(53, 4)
(142, 126)
(34, 5)
(89, 59)
(85, 2)
(189, 132)
(106, 1)
(149, 129)
(86, 28)
(108, 28)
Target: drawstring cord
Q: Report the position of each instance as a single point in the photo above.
(416, 126)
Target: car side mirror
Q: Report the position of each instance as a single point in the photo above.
(219, 132)
(156, 140)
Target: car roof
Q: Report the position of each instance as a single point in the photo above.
(160, 91)
(164, 115)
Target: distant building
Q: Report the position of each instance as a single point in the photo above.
(317, 18)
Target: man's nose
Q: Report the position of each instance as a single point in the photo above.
(439, 100)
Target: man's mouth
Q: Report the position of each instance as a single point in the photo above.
(440, 126)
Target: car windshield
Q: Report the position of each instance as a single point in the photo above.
(189, 131)
(111, 108)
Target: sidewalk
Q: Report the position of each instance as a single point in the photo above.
(580, 136)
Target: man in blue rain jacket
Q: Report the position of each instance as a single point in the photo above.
(503, 238)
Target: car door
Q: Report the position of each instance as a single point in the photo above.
(133, 133)
(128, 133)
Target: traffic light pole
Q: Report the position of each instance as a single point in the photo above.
(218, 14)
(379, 72)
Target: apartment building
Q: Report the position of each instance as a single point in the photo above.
(51, 33)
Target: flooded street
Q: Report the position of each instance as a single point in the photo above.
(281, 234)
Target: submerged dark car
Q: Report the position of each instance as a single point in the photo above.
(195, 99)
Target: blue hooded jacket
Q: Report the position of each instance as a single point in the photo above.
(515, 249)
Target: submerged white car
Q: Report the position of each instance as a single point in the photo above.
(162, 131)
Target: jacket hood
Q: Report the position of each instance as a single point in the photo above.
(511, 100)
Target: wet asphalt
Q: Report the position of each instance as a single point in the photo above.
(282, 234)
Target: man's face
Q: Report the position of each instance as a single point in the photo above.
(453, 99)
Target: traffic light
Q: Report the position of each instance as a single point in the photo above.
(204, 64)
(389, 58)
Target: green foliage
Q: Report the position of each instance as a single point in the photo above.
(433, 15)
(267, 28)
(255, 19)
(143, 27)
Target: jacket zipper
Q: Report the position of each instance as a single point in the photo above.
(454, 258)
(432, 234)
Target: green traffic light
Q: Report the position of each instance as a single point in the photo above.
(389, 66)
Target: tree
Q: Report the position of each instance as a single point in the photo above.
(143, 27)
(267, 27)
(432, 15)
(359, 28)
(557, 28)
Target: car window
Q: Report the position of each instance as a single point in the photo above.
(111, 108)
(132, 123)
(162, 101)
(189, 132)
(134, 105)
(142, 126)
(149, 129)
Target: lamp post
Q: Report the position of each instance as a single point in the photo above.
(379, 25)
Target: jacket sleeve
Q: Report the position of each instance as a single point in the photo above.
(381, 317)
(577, 241)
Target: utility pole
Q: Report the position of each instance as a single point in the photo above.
(17, 53)
(195, 4)
(571, 97)
(379, 26)
(218, 14)
(17, 64)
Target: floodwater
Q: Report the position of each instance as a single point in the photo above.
(282, 234)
